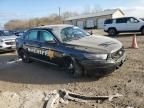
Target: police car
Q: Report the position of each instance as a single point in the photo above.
(72, 48)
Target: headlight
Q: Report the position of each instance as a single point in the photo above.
(96, 56)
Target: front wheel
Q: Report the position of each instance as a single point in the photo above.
(74, 68)
(24, 56)
(142, 31)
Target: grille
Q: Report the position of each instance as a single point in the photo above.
(118, 54)
(10, 43)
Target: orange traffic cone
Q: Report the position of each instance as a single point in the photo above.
(134, 42)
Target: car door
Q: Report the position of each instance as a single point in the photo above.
(31, 43)
(133, 24)
(121, 24)
(51, 48)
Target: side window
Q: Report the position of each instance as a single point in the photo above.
(109, 21)
(133, 20)
(46, 36)
(121, 20)
(32, 35)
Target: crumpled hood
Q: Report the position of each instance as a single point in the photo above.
(13, 37)
(102, 44)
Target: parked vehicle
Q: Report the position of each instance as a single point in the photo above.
(142, 19)
(19, 33)
(7, 41)
(122, 25)
(72, 48)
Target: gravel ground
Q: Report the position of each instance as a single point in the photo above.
(37, 78)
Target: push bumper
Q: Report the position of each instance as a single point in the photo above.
(94, 67)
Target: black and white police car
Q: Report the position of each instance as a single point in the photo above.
(72, 48)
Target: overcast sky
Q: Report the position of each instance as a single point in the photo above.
(25, 9)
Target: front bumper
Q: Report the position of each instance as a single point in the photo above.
(7, 47)
(94, 67)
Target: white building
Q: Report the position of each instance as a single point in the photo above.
(95, 20)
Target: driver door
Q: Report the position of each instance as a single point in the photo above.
(51, 50)
(133, 24)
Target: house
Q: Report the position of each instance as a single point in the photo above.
(94, 20)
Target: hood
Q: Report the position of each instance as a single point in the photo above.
(101, 44)
(13, 37)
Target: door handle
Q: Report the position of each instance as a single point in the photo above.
(39, 45)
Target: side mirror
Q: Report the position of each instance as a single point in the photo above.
(18, 34)
(136, 21)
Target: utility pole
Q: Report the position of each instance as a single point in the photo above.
(59, 11)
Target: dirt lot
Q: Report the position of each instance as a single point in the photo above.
(19, 79)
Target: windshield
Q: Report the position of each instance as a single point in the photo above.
(7, 33)
(73, 33)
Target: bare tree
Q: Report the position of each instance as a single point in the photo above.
(87, 10)
(69, 14)
(96, 8)
(92, 9)
(51, 19)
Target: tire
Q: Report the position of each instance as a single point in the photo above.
(74, 68)
(142, 31)
(24, 56)
(112, 32)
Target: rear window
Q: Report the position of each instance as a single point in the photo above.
(121, 20)
(109, 21)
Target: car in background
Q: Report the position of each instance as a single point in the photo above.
(19, 33)
(122, 25)
(72, 48)
(7, 41)
(142, 19)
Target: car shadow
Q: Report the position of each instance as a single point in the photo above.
(7, 56)
(38, 73)
(6, 52)
(125, 35)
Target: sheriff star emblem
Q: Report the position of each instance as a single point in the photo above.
(50, 54)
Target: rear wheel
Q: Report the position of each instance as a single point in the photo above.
(24, 56)
(74, 67)
(112, 32)
(142, 31)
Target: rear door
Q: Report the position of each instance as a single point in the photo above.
(121, 24)
(31, 43)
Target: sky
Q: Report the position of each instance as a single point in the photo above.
(27, 9)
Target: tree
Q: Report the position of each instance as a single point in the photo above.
(69, 14)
